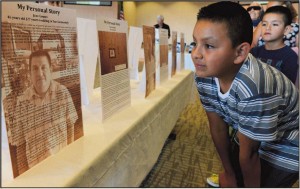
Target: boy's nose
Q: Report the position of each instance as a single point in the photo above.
(198, 56)
(196, 53)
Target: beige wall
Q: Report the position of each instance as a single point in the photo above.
(130, 12)
(91, 12)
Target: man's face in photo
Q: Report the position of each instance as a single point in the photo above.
(40, 74)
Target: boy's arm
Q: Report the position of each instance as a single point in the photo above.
(220, 136)
(249, 161)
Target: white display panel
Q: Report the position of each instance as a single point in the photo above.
(115, 83)
(161, 54)
(134, 48)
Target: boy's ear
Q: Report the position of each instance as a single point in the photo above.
(287, 29)
(242, 52)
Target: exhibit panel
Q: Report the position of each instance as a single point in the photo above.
(88, 50)
(181, 50)
(135, 41)
(41, 96)
(149, 52)
(115, 82)
(162, 59)
(174, 53)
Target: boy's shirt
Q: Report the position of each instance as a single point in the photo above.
(284, 59)
(263, 105)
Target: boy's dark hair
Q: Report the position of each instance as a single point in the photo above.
(285, 12)
(236, 18)
(39, 53)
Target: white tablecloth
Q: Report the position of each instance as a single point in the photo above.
(117, 153)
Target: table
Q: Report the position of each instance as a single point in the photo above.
(119, 152)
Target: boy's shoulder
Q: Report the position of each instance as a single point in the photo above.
(286, 50)
(290, 50)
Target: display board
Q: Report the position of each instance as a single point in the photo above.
(88, 48)
(182, 48)
(97, 82)
(174, 53)
(83, 86)
(134, 48)
(41, 98)
(149, 51)
(157, 59)
(115, 83)
(163, 54)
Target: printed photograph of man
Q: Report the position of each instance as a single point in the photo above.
(45, 115)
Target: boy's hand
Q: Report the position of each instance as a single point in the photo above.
(227, 180)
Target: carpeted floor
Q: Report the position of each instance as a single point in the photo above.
(191, 158)
(188, 160)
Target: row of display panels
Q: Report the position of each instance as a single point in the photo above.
(48, 57)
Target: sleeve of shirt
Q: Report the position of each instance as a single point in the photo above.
(258, 116)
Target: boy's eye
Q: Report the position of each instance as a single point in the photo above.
(264, 24)
(275, 24)
(209, 46)
(193, 44)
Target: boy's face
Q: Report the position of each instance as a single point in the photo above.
(213, 55)
(273, 27)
